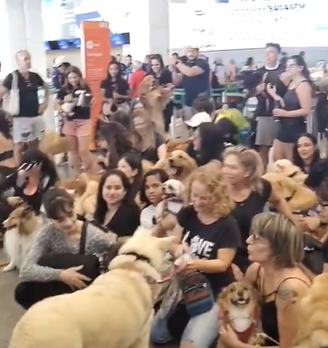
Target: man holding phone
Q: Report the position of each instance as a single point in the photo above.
(194, 74)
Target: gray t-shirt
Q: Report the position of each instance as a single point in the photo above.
(51, 240)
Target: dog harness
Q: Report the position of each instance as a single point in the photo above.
(246, 335)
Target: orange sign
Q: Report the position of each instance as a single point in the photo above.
(96, 55)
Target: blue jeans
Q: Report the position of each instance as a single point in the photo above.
(201, 330)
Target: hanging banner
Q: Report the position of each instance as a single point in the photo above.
(96, 55)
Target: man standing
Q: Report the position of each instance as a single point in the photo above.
(272, 75)
(28, 125)
(195, 77)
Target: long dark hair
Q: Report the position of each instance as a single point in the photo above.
(118, 141)
(211, 143)
(134, 160)
(297, 160)
(126, 120)
(48, 167)
(5, 125)
(299, 60)
(163, 176)
(119, 74)
(101, 205)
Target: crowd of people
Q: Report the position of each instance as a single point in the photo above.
(225, 219)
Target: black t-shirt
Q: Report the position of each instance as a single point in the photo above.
(196, 85)
(125, 221)
(28, 92)
(120, 86)
(165, 77)
(205, 241)
(80, 113)
(265, 102)
(244, 213)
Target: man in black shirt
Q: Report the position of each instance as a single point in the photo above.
(195, 77)
(266, 125)
(28, 125)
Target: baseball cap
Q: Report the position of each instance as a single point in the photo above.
(198, 118)
(60, 61)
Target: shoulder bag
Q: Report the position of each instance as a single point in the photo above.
(11, 100)
(197, 293)
(91, 265)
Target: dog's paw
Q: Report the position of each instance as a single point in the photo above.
(9, 268)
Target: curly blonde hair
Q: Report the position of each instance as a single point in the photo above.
(251, 161)
(220, 202)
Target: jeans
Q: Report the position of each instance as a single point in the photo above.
(201, 330)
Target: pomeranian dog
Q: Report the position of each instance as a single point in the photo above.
(21, 229)
(239, 308)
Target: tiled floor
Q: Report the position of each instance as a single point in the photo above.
(10, 312)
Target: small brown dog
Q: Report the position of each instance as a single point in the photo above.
(239, 308)
(179, 165)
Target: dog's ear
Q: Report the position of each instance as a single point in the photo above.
(167, 243)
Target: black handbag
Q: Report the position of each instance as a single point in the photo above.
(91, 265)
(313, 255)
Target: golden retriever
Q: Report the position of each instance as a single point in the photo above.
(179, 165)
(115, 311)
(313, 320)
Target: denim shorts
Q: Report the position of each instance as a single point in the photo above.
(201, 330)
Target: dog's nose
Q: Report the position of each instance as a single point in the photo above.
(170, 160)
(240, 293)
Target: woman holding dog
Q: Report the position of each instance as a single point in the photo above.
(275, 246)
(163, 78)
(151, 194)
(77, 123)
(56, 240)
(114, 90)
(207, 227)
(243, 168)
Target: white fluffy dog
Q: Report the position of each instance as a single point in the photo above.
(21, 229)
(172, 203)
(115, 311)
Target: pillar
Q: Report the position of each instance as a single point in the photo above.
(21, 27)
(149, 28)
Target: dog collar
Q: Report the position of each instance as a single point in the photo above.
(140, 257)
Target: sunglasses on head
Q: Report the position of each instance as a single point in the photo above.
(27, 166)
